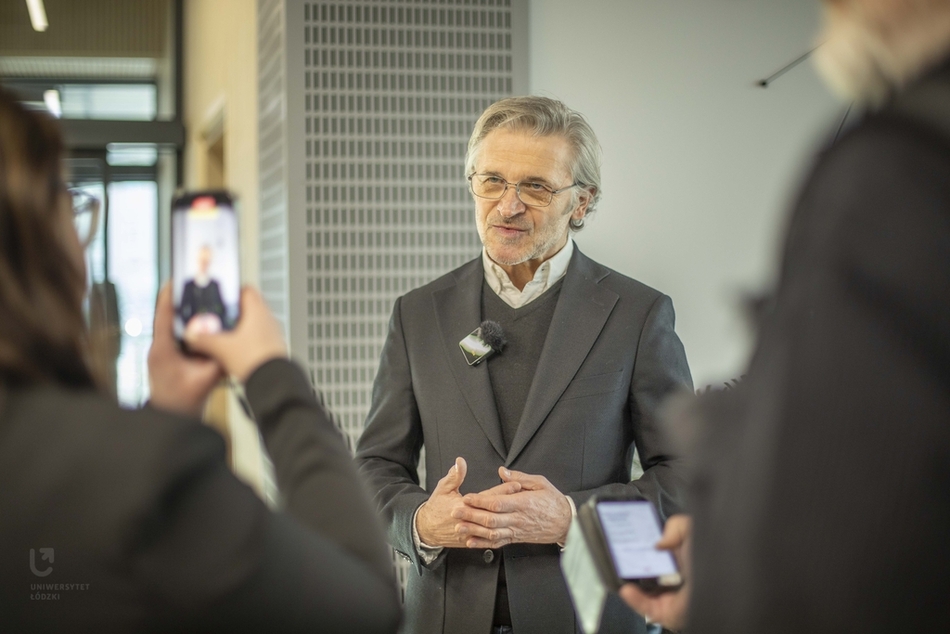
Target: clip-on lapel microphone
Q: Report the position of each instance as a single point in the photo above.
(484, 342)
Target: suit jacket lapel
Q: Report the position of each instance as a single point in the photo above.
(580, 315)
(458, 310)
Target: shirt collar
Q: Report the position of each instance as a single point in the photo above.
(548, 274)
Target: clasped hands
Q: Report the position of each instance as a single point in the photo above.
(524, 508)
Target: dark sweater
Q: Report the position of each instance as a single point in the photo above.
(512, 372)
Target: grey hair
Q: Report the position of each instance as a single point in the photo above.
(542, 116)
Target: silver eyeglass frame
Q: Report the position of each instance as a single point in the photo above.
(517, 186)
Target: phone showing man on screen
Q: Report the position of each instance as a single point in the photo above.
(202, 309)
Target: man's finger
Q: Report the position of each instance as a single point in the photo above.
(483, 537)
(447, 482)
(469, 530)
(505, 488)
(454, 478)
(528, 481)
(492, 503)
(481, 544)
(488, 519)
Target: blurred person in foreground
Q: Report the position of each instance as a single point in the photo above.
(122, 521)
(822, 499)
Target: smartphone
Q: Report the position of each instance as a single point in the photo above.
(206, 276)
(631, 529)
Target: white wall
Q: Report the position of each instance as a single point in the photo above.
(699, 164)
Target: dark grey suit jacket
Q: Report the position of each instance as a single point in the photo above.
(610, 357)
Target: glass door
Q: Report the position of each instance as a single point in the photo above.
(122, 265)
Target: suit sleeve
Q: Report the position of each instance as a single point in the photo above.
(388, 451)
(216, 558)
(660, 370)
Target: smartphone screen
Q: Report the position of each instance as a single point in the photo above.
(632, 529)
(206, 281)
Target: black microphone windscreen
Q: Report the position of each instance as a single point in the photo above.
(493, 335)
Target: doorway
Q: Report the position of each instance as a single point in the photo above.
(121, 261)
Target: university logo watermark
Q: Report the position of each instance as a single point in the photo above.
(46, 554)
(48, 591)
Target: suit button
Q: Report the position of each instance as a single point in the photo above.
(488, 556)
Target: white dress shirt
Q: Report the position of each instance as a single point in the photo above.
(548, 274)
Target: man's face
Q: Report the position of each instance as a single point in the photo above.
(512, 232)
(204, 260)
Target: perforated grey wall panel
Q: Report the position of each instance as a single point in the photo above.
(272, 138)
(365, 112)
(391, 92)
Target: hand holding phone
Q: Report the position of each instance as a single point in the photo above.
(612, 546)
(178, 382)
(213, 316)
(257, 339)
(670, 609)
(631, 529)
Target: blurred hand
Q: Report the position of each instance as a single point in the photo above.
(536, 513)
(179, 383)
(669, 609)
(255, 340)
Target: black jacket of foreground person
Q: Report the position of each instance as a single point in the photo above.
(831, 512)
(126, 521)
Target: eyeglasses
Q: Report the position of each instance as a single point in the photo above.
(85, 216)
(529, 192)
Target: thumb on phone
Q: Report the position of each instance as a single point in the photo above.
(676, 532)
(256, 339)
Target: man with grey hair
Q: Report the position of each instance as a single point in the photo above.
(827, 508)
(549, 420)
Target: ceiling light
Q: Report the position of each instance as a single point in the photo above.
(51, 98)
(37, 14)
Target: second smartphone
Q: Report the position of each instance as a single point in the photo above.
(630, 530)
